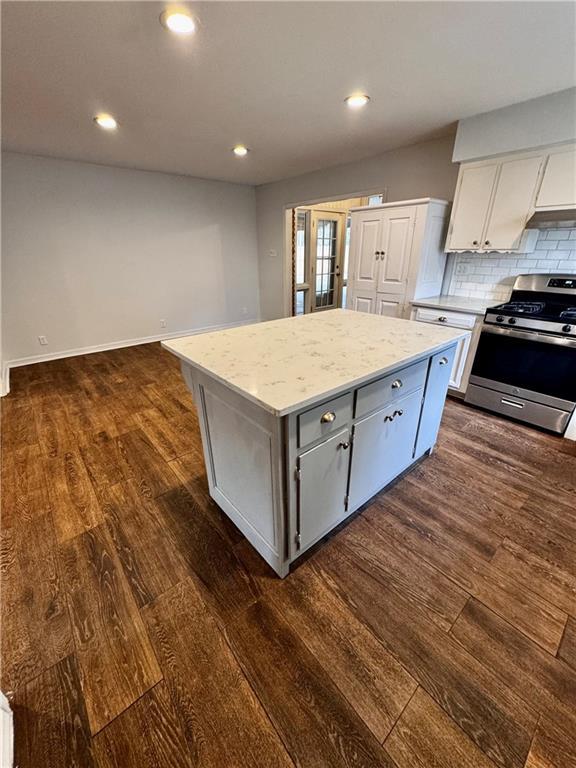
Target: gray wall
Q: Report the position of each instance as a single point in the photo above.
(420, 170)
(95, 256)
(530, 124)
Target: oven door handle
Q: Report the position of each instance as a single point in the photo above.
(542, 338)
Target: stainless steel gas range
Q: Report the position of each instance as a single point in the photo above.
(525, 364)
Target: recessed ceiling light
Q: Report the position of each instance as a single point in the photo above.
(357, 100)
(240, 150)
(106, 121)
(179, 22)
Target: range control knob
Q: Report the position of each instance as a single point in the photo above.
(500, 319)
(512, 320)
(566, 328)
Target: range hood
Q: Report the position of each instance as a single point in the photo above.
(541, 215)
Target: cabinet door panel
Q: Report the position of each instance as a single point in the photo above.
(383, 448)
(459, 362)
(362, 301)
(513, 202)
(365, 243)
(322, 489)
(471, 206)
(559, 182)
(389, 306)
(395, 246)
(436, 388)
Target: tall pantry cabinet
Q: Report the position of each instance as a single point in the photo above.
(396, 255)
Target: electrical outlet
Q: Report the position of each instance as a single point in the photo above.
(162, 323)
(462, 268)
(42, 340)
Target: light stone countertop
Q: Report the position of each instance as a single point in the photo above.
(285, 365)
(457, 303)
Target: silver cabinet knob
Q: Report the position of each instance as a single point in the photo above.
(442, 319)
(393, 416)
(396, 384)
(486, 242)
(443, 361)
(344, 446)
(328, 417)
(474, 242)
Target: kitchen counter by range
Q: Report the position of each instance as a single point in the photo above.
(456, 303)
(306, 418)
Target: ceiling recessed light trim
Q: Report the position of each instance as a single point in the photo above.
(180, 22)
(240, 150)
(106, 121)
(357, 100)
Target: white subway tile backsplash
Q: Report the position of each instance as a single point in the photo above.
(558, 234)
(491, 276)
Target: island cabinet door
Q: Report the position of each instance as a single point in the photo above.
(383, 447)
(323, 482)
(439, 375)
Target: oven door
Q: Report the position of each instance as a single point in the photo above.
(528, 364)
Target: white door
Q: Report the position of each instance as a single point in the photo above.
(322, 487)
(364, 243)
(559, 182)
(326, 259)
(362, 301)
(513, 202)
(471, 206)
(388, 305)
(395, 247)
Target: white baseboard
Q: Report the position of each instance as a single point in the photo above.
(17, 363)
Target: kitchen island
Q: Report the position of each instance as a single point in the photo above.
(306, 418)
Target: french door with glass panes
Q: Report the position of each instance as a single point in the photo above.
(326, 252)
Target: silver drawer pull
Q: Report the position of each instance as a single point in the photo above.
(396, 384)
(328, 417)
(345, 446)
(443, 319)
(443, 361)
(512, 403)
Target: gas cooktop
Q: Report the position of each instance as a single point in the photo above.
(545, 303)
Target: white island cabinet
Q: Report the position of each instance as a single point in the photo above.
(304, 419)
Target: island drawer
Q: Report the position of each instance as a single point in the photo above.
(324, 419)
(390, 388)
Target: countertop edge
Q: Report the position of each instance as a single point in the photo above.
(436, 302)
(317, 399)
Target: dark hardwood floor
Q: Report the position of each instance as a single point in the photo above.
(140, 630)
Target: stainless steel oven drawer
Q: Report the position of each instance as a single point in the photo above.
(518, 408)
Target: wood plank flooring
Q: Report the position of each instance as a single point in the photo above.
(437, 629)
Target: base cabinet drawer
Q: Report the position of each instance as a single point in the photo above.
(383, 446)
(391, 388)
(320, 421)
(323, 480)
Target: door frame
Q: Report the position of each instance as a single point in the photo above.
(287, 244)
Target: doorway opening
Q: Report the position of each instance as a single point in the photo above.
(320, 253)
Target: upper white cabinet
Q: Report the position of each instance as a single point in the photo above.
(558, 189)
(496, 197)
(514, 195)
(494, 200)
(396, 255)
(473, 196)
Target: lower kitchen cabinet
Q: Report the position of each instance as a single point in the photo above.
(323, 482)
(383, 447)
(466, 347)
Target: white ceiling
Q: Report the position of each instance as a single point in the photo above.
(271, 75)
